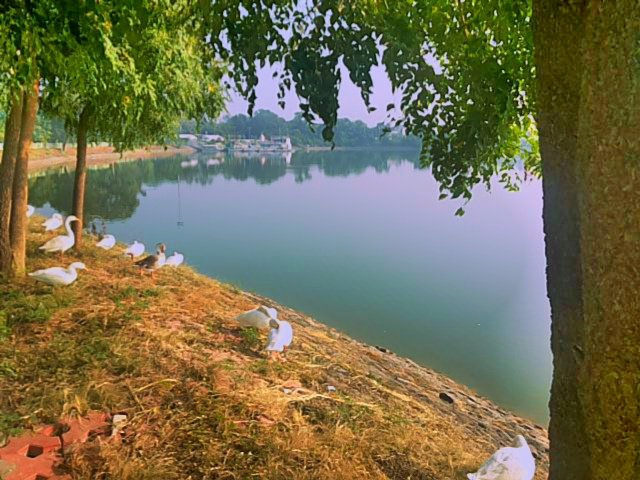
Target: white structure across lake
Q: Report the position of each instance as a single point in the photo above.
(217, 142)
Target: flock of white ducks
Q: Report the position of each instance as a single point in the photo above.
(280, 333)
(507, 463)
(60, 276)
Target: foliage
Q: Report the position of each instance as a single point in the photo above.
(136, 70)
(50, 130)
(465, 70)
(347, 133)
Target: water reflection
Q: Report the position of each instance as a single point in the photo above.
(114, 190)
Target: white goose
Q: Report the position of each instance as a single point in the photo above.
(174, 260)
(30, 210)
(107, 242)
(58, 276)
(52, 223)
(62, 243)
(135, 249)
(508, 463)
(258, 317)
(280, 336)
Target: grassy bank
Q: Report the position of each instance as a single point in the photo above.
(203, 402)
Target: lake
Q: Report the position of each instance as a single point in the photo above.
(359, 241)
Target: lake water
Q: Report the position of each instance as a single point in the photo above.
(359, 241)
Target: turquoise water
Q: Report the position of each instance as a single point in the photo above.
(359, 241)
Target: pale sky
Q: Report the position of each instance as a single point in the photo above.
(350, 101)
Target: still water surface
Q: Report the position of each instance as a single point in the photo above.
(359, 241)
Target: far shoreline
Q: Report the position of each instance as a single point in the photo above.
(44, 159)
(51, 158)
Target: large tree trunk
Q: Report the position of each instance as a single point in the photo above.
(588, 99)
(19, 201)
(7, 168)
(80, 175)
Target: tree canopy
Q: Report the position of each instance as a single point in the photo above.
(139, 77)
(465, 70)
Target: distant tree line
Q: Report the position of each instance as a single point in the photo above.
(347, 133)
(47, 130)
(51, 129)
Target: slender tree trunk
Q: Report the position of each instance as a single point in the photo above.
(7, 168)
(19, 221)
(80, 176)
(588, 99)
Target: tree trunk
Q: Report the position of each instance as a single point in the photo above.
(7, 168)
(588, 101)
(80, 176)
(21, 180)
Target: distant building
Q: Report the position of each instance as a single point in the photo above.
(262, 144)
(283, 142)
(212, 138)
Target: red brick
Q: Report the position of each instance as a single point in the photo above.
(45, 430)
(29, 468)
(33, 456)
(80, 428)
(20, 445)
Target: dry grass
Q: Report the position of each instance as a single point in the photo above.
(202, 399)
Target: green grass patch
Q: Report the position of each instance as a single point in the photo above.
(10, 425)
(133, 293)
(8, 370)
(251, 338)
(5, 329)
(20, 308)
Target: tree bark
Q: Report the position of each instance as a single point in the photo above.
(80, 175)
(7, 168)
(588, 102)
(20, 198)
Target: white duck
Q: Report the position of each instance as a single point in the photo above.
(280, 336)
(508, 463)
(62, 243)
(135, 249)
(174, 260)
(258, 317)
(58, 276)
(52, 223)
(30, 210)
(107, 242)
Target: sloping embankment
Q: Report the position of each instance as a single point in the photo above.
(204, 402)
